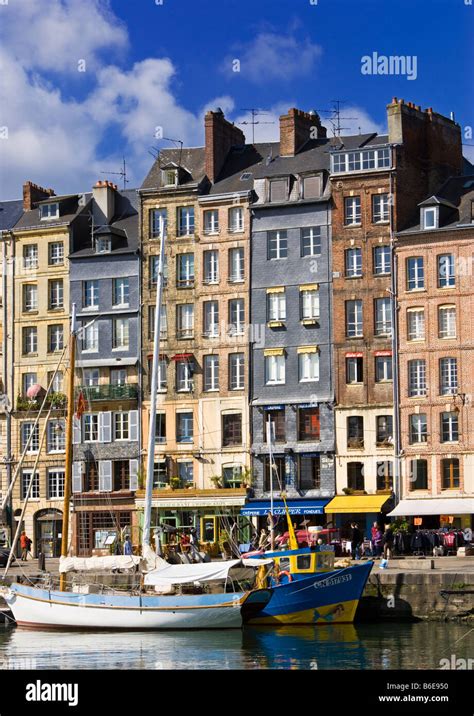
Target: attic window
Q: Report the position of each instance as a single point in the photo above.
(429, 216)
(311, 187)
(246, 176)
(279, 190)
(49, 211)
(170, 177)
(103, 246)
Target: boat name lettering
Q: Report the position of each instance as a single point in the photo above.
(333, 581)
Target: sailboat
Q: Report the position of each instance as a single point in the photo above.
(186, 596)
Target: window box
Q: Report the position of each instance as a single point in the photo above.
(276, 324)
(309, 322)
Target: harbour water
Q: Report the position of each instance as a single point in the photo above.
(361, 646)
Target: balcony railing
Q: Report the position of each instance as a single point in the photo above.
(109, 392)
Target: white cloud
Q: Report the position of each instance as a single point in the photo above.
(272, 56)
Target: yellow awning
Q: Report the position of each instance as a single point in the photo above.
(356, 503)
(276, 289)
(307, 349)
(273, 352)
(309, 287)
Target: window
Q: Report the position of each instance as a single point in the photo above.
(184, 376)
(90, 294)
(311, 187)
(57, 381)
(448, 376)
(211, 266)
(103, 245)
(184, 427)
(277, 245)
(416, 378)
(55, 338)
(355, 431)
(382, 260)
(91, 427)
(311, 241)
(30, 297)
(308, 367)
(385, 475)
(380, 208)
(352, 210)
(169, 177)
(449, 427)
(162, 380)
(236, 219)
(416, 324)
(158, 219)
(450, 473)
(430, 217)
(186, 221)
(418, 428)
(90, 337)
(153, 267)
(446, 275)
(91, 377)
(56, 435)
(447, 322)
(185, 320)
(163, 322)
(56, 295)
(278, 190)
(236, 371)
(384, 426)
(274, 369)
(353, 263)
(308, 424)
(236, 265)
(211, 221)
(185, 270)
(383, 317)
(354, 370)
(231, 429)
(27, 477)
(121, 333)
(55, 483)
(361, 160)
(276, 306)
(121, 292)
(274, 473)
(121, 431)
(56, 253)
(309, 473)
(29, 379)
(160, 428)
(232, 475)
(161, 477)
(185, 473)
(236, 316)
(49, 211)
(30, 432)
(309, 304)
(383, 369)
(276, 418)
(354, 160)
(30, 256)
(418, 475)
(211, 372)
(211, 319)
(415, 273)
(121, 475)
(354, 319)
(355, 476)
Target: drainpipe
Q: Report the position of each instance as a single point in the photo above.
(5, 373)
(395, 357)
(140, 327)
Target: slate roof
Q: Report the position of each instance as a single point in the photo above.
(457, 195)
(10, 213)
(190, 158)
(69, 209)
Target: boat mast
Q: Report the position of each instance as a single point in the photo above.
(270, 457)
(153, 395)
(69, 428)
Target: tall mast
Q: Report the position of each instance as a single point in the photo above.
(270, 458)
(69, 428)
(153, 396)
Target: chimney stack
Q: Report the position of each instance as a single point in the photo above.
(221, 136)
(103, 207)
(32, 194)
(296, 128)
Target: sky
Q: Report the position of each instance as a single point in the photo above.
(84, 83)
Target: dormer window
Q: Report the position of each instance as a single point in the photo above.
(49, 211)
(103, 246)
(312, 187)
(429, 216)
(170, 177)
(278, 190)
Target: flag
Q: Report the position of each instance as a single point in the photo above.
(81, 405)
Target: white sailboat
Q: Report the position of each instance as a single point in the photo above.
(187, 596)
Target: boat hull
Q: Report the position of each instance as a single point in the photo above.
(41, 608)
(322, 598)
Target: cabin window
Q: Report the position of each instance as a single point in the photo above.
(284, 565)
(303, 561)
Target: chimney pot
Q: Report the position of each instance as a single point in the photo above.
(220, 136)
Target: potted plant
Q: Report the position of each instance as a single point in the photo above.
(175, 482)
(348, 490)
(216, 481)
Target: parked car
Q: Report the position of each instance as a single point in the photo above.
(4, 557)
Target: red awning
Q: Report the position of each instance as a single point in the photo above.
(354, 355)
(382, 353)
(182, 356)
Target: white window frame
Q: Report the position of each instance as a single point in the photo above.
(56, 440)
(184, 376)
(236, 219)
(352, 211)
(121, 334)
(90, 428)
(121, 292)
(237, 312)
(211, 319)
(30, 297)
(56, 253)
(417, 283)
(56, 480)
(55, 338)
(236, 265)
(90, 295)
(56, 294)
(277, 245)
(416, 324)
(380, 208)
(447, 322)
(236, 371)
(186, 221)
(49, 211)
(383, 316)
(155, 225)
(28, 380)
(355, 327)
(417, 378)
(211, 221)
(121, 426)
(383, 252)
(418, 428)
(27, 428)
(211, 266)
(276, 306)
(385, 373)
(211, 373)
(90, 338)
(30, 340)
(30, 256)
(185, 272)
(430, 217)
(446, 279)
(275, 370)
(185, 320)
(35, 488)
(353, 262)
(310, 241)
(448, 376)
(308, 367)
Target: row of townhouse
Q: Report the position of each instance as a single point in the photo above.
(304, 297)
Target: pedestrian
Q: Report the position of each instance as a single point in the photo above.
(356, 540)
(387, 541)
(25, 544)
(376, 535)
(127, 546)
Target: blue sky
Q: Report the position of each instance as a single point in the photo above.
(147, 66)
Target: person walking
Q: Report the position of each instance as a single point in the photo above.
(387, 541)
(376, 535)
(127, 546)
(356, 540)
(25, 544)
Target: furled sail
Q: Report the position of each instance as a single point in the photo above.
(97, 564)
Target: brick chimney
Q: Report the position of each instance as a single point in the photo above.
(296, 128)
(221, 135)
(103, 206)
(32, 194)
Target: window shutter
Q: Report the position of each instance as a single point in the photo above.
(316, 306)
(133, 425)
(134, 474)
(77, 472)
(76, 430)
(105, 427)
(105, 475)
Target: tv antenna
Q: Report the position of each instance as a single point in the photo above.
(155, 151)
(255, 112)
(122, 173)
(335, 117)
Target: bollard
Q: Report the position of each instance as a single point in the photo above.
(41, 561)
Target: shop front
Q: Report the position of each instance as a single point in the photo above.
(48, 528)
(436, 512)
(304, 513)
(364, 510)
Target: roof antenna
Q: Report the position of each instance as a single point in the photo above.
(335, 117)
(122, 174)
(155, 151)
(255, 112)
